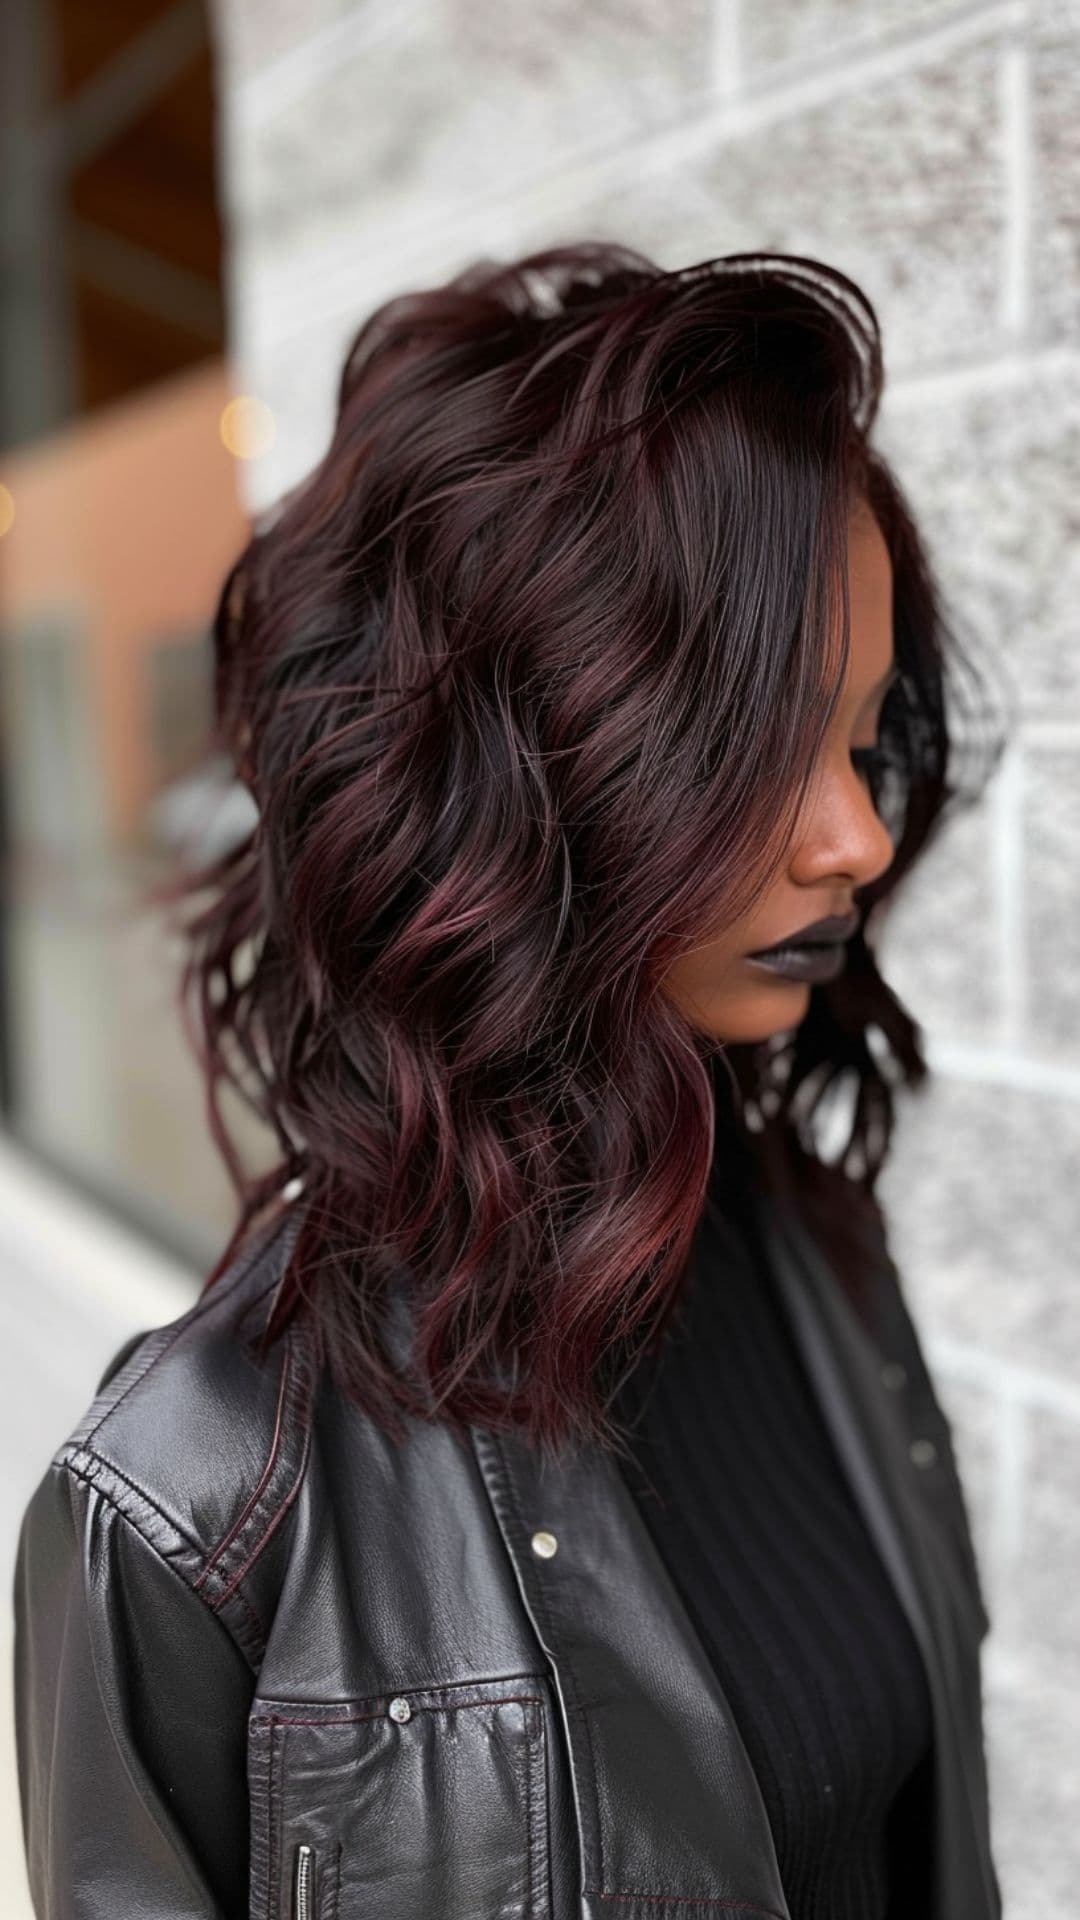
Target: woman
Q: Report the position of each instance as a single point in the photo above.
(545, 1509)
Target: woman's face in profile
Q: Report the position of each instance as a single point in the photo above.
(840, 843)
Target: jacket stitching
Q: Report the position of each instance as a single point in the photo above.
(274, 1826)
(282, 1867)
(527, 1769)
(296, 1393)
(541, 1838)
(567, 1668)
(91, 1480)
(147, 1369)
(350, 1719)
(253, 1497)
(82, 1444)
(273, 1524)
(216, 1605)
(688, 1899)
(285, 1721)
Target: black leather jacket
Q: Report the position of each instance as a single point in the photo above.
(268, 1665)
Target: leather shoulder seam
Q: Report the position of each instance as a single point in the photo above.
(281, 1478)
(168, 1543)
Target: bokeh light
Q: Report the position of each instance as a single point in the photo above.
(248, 428)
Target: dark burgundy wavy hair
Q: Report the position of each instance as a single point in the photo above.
(527, 681)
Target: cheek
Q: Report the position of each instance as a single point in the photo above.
(691, 984)
(713, 963)
(718, 992)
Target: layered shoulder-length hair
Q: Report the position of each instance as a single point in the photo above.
(527, 681)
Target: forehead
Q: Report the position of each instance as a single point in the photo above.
(868, 553)
(870, 595)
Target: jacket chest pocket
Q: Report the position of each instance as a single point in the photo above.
(428, 1802)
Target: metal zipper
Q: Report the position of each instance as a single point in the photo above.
(303, 1907)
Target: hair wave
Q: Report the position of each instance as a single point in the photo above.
(527, 681)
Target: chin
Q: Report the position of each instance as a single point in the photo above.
(762, 1015)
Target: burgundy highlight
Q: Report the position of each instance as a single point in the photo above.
(527, 681)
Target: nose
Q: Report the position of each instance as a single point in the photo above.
(841, 835)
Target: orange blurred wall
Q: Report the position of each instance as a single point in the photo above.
(130, 519)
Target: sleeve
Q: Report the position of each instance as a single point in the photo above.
(131, 1705)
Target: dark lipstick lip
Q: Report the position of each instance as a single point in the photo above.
(809, 964)
(818, 933)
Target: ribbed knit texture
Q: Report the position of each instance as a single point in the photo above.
(737, 1479)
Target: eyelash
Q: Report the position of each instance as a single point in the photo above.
(876, 763)
(873, 763)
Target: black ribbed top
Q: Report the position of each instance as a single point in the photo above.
(737, 1479)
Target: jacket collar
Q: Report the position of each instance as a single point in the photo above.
(668, 1806)
(844, 1366)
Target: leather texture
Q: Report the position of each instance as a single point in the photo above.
(268, 1663)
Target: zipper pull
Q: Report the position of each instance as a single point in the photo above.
(303, 1906)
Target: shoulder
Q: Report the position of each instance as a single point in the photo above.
(201, 1446)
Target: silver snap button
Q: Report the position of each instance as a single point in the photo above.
(923, 1452)
(545, 1544)
(399, 1709)
(893, 1374)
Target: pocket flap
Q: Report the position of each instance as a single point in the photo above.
(429, 1801)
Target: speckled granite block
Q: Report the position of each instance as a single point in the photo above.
(994, 477)
(937, 945)
(1052, 922)
(804, 32)
(1055, 184)
(449, 108)
(994, 473)
(1039, 1603)
(983, 1202)
(899, 183)
(1033, 1750)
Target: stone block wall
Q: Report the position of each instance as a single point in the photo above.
(932, 151)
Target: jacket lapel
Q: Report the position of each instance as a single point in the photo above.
(844, 1368)
(668, 1806)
